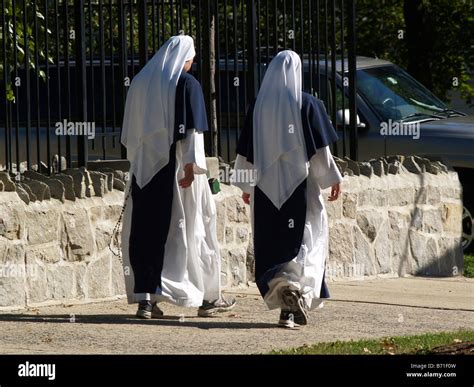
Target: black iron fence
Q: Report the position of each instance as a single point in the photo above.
(65, 67)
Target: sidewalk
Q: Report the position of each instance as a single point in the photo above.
(357, 310)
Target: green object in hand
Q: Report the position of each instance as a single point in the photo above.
(215, 186)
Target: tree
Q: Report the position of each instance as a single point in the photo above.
(14, 37)
(433, 40)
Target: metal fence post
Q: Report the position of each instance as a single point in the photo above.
(354, 151)
(252, 73)
(208, 60)
(123, 68)
(80, 51)
(143, 32)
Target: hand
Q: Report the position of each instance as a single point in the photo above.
(335, 191)
(246, 198)
(188, 178)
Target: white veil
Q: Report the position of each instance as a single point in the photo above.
(279, 146)
(148, 124)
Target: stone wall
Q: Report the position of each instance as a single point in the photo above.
(54, 237)
(53, 252)
(395, 217)
(55, 233)
(234, 235)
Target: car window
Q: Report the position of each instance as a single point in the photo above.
(394, 94)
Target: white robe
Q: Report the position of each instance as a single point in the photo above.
(305, 272)
(191, 267)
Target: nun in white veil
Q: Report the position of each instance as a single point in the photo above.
(285, 144)
(169, 245)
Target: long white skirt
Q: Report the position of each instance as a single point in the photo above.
(191, 266)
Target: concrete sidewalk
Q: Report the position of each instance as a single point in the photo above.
(357, 310)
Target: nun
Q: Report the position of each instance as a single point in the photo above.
(169, 245)
(283, 163)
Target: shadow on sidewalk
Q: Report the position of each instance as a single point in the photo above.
(178, 321)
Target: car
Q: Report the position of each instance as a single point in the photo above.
(388, 97)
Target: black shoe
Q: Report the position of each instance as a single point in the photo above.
(293, 302)
(156, 312)
(144, 309)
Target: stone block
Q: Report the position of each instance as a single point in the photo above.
(237, 266)
(80, 275)
(79, 182)
(43, 225)
(412, 166)
(366, 169)
(334, 208)
(250, 261)
(47, 254)
(61, 282)
(425, 254)
(452, 217)
(432, 221)
(38, 288)
(229, 235)
(237, 210)
(28, 190)
(118, 185)
(23, 194)
(401, 196)
(13, 219)
(103, 235)
(341, 245)
(79, 235)
(364, 256)
(13, 274)
(242, 234)
(382, 249)
(118, 282)
(68, 184)
(349, 205)
(369, 222)
(8, 184)
(99, 183)
(99, 279)
(40, 189)
(220, 220)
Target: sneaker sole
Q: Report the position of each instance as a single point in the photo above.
(212, 312)
(143, 314)
(288, 324)
(295, 303)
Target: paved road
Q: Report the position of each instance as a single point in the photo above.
(363, 309)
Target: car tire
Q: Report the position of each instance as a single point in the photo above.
(466, 177)
(468, 219)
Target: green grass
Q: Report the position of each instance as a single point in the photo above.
(469, 266)
(419, 344)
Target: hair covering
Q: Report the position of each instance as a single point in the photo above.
(148, 124)
(279, 146)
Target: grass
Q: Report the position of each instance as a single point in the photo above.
(419, 344)
(469, 266)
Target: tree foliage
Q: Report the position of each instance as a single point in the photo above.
(21, 52)
(432, 39)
